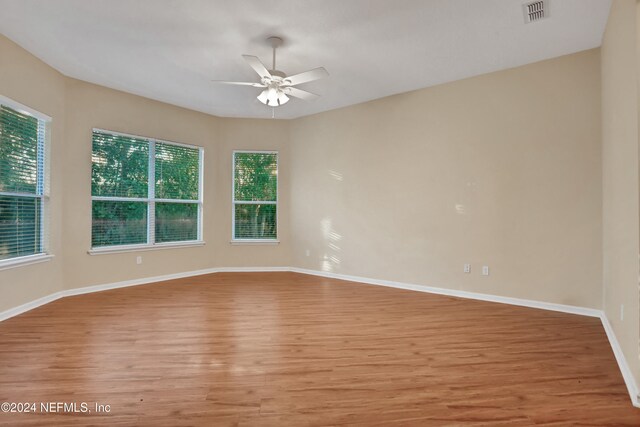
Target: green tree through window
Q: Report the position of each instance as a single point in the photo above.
(144, 191)
(255, 193)
(22, 195)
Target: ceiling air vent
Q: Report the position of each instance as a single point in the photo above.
(535, 11)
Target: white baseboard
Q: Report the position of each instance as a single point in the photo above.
(136, 282)
(12, 312)
(252, 269)
(629, 379)
(97, 288)
(583, 311)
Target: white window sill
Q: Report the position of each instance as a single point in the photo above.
(138, 248)
(255, 242)
(24, 260)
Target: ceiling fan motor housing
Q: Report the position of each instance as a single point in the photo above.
(278, 73)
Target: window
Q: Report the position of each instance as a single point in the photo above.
(23, 186)
(145, 192)
(255, 196)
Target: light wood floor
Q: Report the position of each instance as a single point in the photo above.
(278, 349)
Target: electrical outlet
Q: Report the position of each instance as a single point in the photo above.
(308, 252)
(139, 260)
(485, 270)
(467, 268)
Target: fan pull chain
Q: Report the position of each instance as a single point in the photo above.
(273, 113)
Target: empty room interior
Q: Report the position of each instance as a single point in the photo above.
(309, 213)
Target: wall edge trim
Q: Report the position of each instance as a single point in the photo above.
(28, 306)
(625, 370)
(582, 311)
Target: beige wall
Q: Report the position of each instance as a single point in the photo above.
(29, 81)
(620, 177)
(501, 170)
(90, 106)
(76, 107)
(251, 134)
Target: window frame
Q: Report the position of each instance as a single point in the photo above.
(151, 200)
(42, 185)
(234, 202)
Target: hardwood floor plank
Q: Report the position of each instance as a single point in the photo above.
(277, 349)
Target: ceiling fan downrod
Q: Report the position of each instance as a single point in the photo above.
(275, 43)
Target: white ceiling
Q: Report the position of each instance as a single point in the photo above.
(169, 50)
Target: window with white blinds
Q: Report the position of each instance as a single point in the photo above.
(23, 187)
(145, 192)
(255, 196)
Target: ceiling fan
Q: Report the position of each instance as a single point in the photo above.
(277, 85)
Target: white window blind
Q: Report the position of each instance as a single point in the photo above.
(255, 195)
(145, 192)
(23, 187)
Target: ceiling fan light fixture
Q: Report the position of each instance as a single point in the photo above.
(282, 98)
(263, 97)
(273, 97)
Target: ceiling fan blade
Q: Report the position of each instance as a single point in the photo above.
(221, 82)
(299, 93)
(307, 76)
(257, 65)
